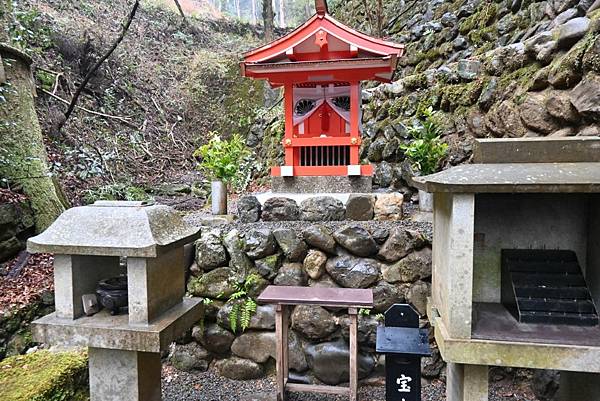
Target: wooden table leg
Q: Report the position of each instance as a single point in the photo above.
(279, 353)
(285, 345)
(353, 354)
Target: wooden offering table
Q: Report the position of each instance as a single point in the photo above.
(284, 296)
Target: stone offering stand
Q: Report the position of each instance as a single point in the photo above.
(90, 244)
(516, 264)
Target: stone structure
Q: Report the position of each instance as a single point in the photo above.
(89, 244)
(394, 262)
(541, 196)
(357, 207)
(16, 224)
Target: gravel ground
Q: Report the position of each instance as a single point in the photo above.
(209, 386)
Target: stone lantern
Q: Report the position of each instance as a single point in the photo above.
(101, 241)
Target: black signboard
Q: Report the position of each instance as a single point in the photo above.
(403, 344)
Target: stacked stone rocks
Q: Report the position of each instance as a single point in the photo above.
(15, 334)
(16, 225)
(395, 264)
(359, 207)
(492, 69)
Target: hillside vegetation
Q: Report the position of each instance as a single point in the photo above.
(154, 101)
(508, 68)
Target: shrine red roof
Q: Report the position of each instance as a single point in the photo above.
(317, 45)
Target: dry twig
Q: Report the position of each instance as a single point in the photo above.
(97, 113)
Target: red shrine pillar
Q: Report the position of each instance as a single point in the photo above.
(355, 107)
(289, 159)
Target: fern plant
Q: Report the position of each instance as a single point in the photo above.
(244, 306)
(426, 150)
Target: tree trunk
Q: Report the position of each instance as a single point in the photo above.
(254, 19)
(268, 20)
(237, 9)
(282, 13)
(23, 158)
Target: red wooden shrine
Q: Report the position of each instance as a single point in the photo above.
(320, 66)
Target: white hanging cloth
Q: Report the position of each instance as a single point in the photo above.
(319, 95)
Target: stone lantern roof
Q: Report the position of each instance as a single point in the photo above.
(110, 228)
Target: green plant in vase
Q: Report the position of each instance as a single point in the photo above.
(221, 160)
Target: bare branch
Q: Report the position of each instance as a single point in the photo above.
(181, 12)
(98, 64)
(124, 120)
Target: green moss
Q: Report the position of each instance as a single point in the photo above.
(591, 58)
(419, 57)
(484, 35)
(486, 47)
(45, 79)
(23, 158)
(44, 376)
(416, 81)
(446, 49)
(219, 97)
(522, 78)
(484, 16)
(271, 151)
(522, 19)
(566, 71)
(422, 66)
(454, 96)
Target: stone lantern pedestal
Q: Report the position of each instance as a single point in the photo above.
(93, 243)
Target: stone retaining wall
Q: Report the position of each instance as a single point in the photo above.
(395, 262)
(16, 225)
(358, 207)
(15, 331)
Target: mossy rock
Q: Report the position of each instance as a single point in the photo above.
(486, 14)
(218, 97)
(44, 376)
(483, 36)
(566, 71)
(521, 80)
(416, 81)
(454, 96)
(591, 58)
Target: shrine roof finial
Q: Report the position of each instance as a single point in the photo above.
(321, 6)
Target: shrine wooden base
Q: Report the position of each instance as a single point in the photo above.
(284, 297)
